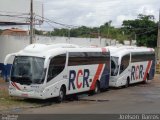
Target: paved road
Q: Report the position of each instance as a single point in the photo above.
(138, 98)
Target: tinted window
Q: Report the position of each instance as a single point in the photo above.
(114, 66)
(77, 58)
(144, 56)
(87, 58)
(124, 62)
(56, 66)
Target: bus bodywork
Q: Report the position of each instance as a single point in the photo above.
(45, 71)
(130, 64)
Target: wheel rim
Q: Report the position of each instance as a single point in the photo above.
(96, 88)
(127, 83)
(146, 81)
(61, 94)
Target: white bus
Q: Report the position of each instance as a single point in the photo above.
(44, 71)
(131, 64)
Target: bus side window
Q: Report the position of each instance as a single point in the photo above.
(124, 62)
(56, 66)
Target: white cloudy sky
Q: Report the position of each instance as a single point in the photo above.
(97, 12)
(91, 13)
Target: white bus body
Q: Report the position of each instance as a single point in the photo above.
(130, 64)
(45, 71)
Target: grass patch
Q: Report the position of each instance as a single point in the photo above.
(1, 80)
(8, 102)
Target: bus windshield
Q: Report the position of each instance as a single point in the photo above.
(114, 66)
(28, 70)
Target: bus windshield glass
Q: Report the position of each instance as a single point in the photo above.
(28, 70)
(114, 66)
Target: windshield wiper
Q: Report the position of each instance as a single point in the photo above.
(22, 80)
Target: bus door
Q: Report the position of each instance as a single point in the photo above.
(125, 69)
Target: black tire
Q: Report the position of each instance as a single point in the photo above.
(146, 80)
(96, 90)
(62, 94)
(127, 83)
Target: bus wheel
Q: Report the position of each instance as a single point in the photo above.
(127, 83)
(97, 88)
(146, 80)
(62, 94)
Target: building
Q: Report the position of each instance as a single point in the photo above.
(14, 31)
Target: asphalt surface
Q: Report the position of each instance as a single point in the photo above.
(138, 98)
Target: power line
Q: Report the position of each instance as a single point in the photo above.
(146, 32)
(16, 16)
(12, 12)
(22, 17)
(141, 28)
(61, 24)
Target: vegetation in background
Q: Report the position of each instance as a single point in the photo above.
(143, 29)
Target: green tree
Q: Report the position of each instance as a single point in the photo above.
(38, 32)
(144, 28)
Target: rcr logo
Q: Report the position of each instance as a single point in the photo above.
(74, 79)
(137, 72)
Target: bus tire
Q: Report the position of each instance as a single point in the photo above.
(146, 80)
(96, 89)
(62, 94)
(127, 83)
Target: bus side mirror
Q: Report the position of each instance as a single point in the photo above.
(8, 57)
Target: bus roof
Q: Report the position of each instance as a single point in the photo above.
(122, 50)
(42, 50)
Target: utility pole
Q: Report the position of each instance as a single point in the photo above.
(31, 22)
(69, 33)
(158, 39)
(109, 23)
(108, 30)
(135, 37)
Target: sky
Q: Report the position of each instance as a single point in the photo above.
(94, 13)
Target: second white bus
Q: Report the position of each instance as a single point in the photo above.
(131, 64)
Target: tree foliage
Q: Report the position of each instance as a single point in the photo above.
(143, 29)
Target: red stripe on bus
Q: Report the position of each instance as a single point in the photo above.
(147, 70)
(15, 85)
(96, 77)
(104, 49)
(12, 84)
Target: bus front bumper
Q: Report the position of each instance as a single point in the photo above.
(24, 94)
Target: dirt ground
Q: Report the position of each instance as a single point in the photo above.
(1, 80)
(138, 98)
